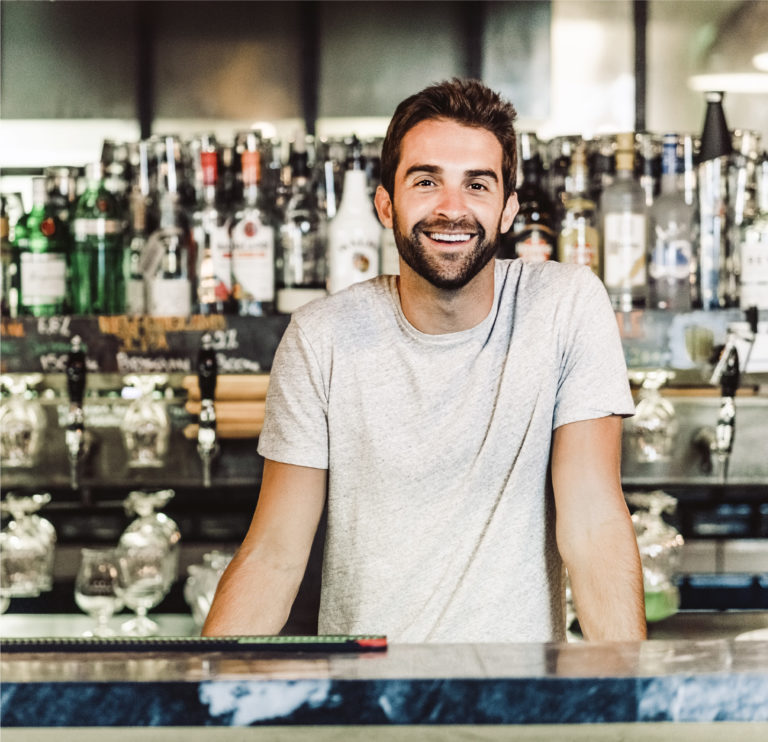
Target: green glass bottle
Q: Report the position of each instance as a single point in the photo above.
(40, 255)
(99, 264)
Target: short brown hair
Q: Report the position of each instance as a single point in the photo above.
(467, 102)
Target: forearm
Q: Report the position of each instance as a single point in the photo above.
(607, 581)
(253, 597)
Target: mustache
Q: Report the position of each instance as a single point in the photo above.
(447, 225)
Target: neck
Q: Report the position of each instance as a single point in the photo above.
(435, 311)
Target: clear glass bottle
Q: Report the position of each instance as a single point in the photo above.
(753, 245)
(672, 237)
(354, 235)
(99, 263)
(625, 231)
(168, 262)
(135, 295)
(579, 239)
(41, 258)
(9, 302)
(532, 235)
(253, 241)
(213, 246)
(300, 262)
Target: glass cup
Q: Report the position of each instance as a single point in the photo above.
(22, 423)
(146, 427)
(143, 583)
(97, 589)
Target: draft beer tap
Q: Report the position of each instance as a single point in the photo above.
(207, 371)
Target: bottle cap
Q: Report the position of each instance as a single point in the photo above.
(715, 137)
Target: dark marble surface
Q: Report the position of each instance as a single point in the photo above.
(675, 681)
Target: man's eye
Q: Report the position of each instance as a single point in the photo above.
(425, 182)
(478, 187)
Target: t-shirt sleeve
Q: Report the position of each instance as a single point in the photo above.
(295, 427)
(593, 373)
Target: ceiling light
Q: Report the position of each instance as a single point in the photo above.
(761, 61)
(735, 82)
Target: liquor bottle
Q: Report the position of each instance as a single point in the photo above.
(624, 227)
(168, 262)
(559, 182)
(601, 162)
(253, 243)
(300, 262)
(9, 299)
(742, 189)
(211, 236)
(754, 245)
(354, 235)
(135, 295)
(41, 258)
(532, 235)
(648, 166)
(61, 184)
(672, 236)
(712, 174)
(99, 259)
(579, 239)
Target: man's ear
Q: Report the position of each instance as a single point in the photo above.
(509, 212)
(383, 204)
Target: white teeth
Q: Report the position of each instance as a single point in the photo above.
(449, 237)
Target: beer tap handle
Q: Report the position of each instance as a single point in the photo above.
(76, 372)
(74, 437)
(207, 372)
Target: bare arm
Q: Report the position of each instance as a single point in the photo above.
(256, 592)
(595, 535)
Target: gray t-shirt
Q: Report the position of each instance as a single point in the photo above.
(440, 505)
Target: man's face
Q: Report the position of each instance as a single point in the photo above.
(449, 206)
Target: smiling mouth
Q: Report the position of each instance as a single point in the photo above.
(449, 237)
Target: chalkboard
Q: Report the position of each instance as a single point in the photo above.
(128, 345)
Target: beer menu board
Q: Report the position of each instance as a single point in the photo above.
(141, 344)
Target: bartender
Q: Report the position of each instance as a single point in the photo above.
(462, 421)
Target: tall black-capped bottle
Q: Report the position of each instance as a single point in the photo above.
(8, 300)
(532, 236)
(253, 241)
(41, 258)
(213, 245)
(99, 261)
(712, 173)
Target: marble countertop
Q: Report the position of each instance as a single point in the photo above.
(708, 680)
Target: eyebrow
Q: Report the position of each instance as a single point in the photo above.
(435, 170)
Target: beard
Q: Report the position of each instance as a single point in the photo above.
(454, 270)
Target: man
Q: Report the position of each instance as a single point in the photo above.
(463, 418)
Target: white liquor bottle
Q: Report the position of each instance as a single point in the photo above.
(354, 235)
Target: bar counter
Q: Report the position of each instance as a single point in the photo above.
(692, 689)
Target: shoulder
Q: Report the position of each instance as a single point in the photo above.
(347, 315)
(550, 282)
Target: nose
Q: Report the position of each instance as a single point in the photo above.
(451, 203)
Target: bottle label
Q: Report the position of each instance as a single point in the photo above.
(84, 228)
(534, 244)
(670, 258)
(754, 269)
(624, 238)
(169, 297)
(43, 278)
(580, 244)
(214, 271)
(352, 260)
(253, 260)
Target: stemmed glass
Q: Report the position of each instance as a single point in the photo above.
(143, 583)
(97, 588)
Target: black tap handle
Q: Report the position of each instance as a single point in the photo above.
(751, 314)
(207, 368)
(76, 371)
(729, 381)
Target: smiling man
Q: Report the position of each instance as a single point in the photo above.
(462, 421)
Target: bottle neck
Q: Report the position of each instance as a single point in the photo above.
(355, 195)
